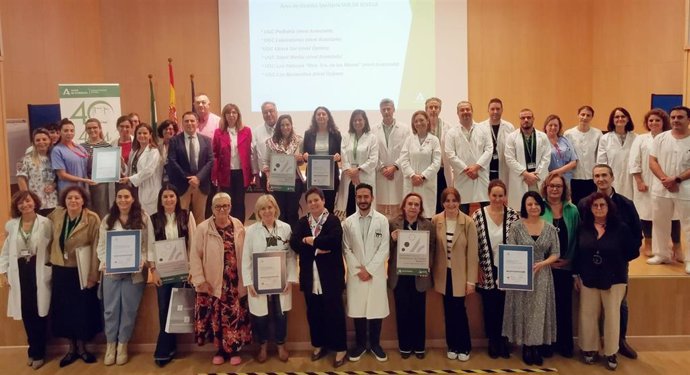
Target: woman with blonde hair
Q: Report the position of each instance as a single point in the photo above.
(99, 201)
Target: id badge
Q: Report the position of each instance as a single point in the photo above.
(531, 165)
(495, 156)
(24, 253)
(271, 241)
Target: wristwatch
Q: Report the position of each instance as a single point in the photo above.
(678, 180)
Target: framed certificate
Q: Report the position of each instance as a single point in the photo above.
(122, 251)
(515, 267)
(172, 263)
(282, 176)
(413, 252)
(105, 166)
(321, 172)
(270, 272)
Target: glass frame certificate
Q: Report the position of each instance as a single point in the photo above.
(515, 267)
(282, 176)
(172, 262)
(105, 166)
(413, 253)
(321, 172)
(122, 251)
(270, 272)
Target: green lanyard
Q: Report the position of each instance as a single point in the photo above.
(26, 236)
(529, 146)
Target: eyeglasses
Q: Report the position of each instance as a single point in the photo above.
(222, 207)
(551, 186)
(599, 205)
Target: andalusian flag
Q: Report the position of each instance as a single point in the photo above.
(154, 114)
(172, 111)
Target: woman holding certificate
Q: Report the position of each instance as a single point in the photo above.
(122, 291)
(529, 317)
(232, 164)
(23, 268)
(493, 225)
(270, 235)
(75, 308)
(604, 248)
(420, 160)
(35, 173)
(286, 143)
(221, 313)
(318, 239)
(565, 217)
(69, 160)
(360, 150)
(323, 138)
(455, 270)
(170, 222)
(99, 201)
(144, 168)
(409, 290)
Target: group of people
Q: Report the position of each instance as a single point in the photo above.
(575, 192)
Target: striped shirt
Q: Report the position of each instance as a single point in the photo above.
(450, 232)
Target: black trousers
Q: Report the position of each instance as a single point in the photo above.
(351, 207)
(236, 192)
(34, 325)
(373, 326)
(209, 200)
(457, 325)
(440, 186)
(493, 302)
(275, 317)
(410, 315)
(563, 288)
(166, 346)
(580, 189)
(326, 318)
(329, 197)
(288, 202)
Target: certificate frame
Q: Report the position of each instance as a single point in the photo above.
(317, 179)
(282, 176)
(172, 262)
(515, 264)
(102, 172)
(111, 264)
(257, 259)
(413, 252)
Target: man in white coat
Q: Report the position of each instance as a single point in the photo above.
(260, 133)
(365, 245)
(439, 128)
(528, 153)
(498, 129)
(669, 160)
(469, 151)
(391, 136)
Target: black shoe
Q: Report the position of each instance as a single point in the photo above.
(546, 351)
(611, 362)
(420, 355)
(318, 355)
(356, 353)
(68, 359)
(505, 348)
(527, 355)
(339, 362)
(589, 357)
(87, 357)
(162, 362)
(625, 350)
(378, 352)
(494, 349)
(405, 355)
(537, 359)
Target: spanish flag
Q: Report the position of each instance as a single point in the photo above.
(172, 110)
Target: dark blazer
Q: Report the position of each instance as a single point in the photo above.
(627, 213)
(614, 250)
(334, 141)
(178, 163)
(331, 266)
(182, 219)
(422, 284)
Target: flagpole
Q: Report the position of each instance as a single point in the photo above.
(191, 78)
(154, 119)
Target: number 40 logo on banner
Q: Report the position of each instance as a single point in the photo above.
(80, 102)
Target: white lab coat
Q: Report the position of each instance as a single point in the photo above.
(366, 299)
(390, 192)
(463, 152)
(504, 130)
(255, 242)
(148, 178)
(586, 145)
(639, 163)
(616, 155)
(445, 163)
(40, 236)
(424, 159)
(515, 159)
(367, 155)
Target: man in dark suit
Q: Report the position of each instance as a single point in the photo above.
(190, 159)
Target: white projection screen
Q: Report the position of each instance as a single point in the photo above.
(343, 55)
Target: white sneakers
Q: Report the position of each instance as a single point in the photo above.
(462, 357)
(452, 355)
(656, 260)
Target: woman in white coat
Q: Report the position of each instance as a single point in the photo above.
(145, 171)
(269, 234)
(614, 150)
(391, 136)
(23, 267)
(360, 152)
(515, 159)
(420, 160)
(656, 121)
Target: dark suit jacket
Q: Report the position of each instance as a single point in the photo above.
(334, 141)
(178, 163)
(421, 283)
(331, 266)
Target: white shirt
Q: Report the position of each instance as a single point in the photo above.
(260, 133)
(171, 226)
(585, 145)
(234, 155)
(495, 236)
(673, 156)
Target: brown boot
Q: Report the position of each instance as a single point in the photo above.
(647, 247)
(283, 353)
(263, 353)
(678, 253)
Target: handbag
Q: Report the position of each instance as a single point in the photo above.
(180, 317)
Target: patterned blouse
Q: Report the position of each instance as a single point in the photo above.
(39, 177)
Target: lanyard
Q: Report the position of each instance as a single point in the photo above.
(26, 236)
(530, 146)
